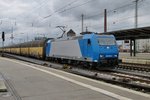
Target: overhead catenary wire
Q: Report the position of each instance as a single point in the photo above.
(64, 10)
(113, 10)
(36, 8)
(59, 9)
(86, 16)
(109, 11)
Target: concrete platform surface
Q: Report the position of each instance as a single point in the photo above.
(144, 56)
(140, 58)
(35, 82)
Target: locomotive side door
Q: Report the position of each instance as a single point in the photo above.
(87, 48)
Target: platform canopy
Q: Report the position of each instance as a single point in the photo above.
(135, 33)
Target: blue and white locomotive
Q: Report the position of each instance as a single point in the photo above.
(89, 49)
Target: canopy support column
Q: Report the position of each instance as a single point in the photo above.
(134, 48)
(131, 47)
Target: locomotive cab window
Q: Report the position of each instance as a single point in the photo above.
(106, 41)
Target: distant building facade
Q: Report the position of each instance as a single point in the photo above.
(141, 46)
(68, 34)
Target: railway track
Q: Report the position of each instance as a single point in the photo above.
(130, 81)
(138, 67)
(133, 69)
(122, 78)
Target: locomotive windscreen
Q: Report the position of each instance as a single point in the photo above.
(106, 41)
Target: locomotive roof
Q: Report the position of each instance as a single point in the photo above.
(85, 36)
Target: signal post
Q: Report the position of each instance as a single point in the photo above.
(3, 39)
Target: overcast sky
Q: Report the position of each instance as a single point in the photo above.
(33, 18)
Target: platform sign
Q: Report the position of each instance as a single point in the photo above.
(126, 44)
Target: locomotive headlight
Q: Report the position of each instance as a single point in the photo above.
(115, 55)
(101, 56)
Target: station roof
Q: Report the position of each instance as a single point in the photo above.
(135, 33)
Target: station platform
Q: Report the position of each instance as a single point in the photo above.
(140, 58)
(36, 82)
